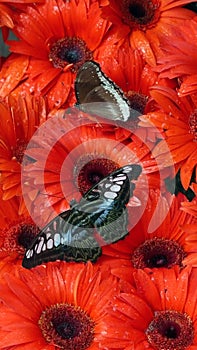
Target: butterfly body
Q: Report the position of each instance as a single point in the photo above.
(98, 95)
(70, 236)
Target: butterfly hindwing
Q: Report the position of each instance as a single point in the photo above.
(97, 94)
(112, 225)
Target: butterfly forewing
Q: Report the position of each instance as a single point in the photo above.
(106, 203)
(68, 237)
(99, 95)
(87, 80)
(114, 190)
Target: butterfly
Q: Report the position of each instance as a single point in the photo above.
(98, 95)
(70, 236)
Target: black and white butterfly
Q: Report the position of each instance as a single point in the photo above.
(98, 95)
(70, 236)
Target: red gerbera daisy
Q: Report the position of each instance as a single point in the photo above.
(130, 72)
(9, 209)
(16, 233)
(171, 243)
(19, 120)
(6, 15)
(12, 71)
(144, 21)
(60, 36)
(59, 305)
(175, 62)
(191, 207)
(71, 154)
(176, 119)
(160, 312)
(8, 8)
(16, 236)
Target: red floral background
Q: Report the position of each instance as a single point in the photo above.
(137, 291)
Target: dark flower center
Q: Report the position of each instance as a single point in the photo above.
(18, 151)
(170, 330)
(67, 327)
(137, 101)
(158, 252)
(68, 51)
(68, 330)
(193, 124)
(26, 233)
(93, 171)
(18, 236)
(137, 10)
(141, 14)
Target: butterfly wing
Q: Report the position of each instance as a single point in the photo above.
(67, 237)
(99, 95)
(70, 236)
(106, 202)
(112, 225)
(87, 80)
(114, 190)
